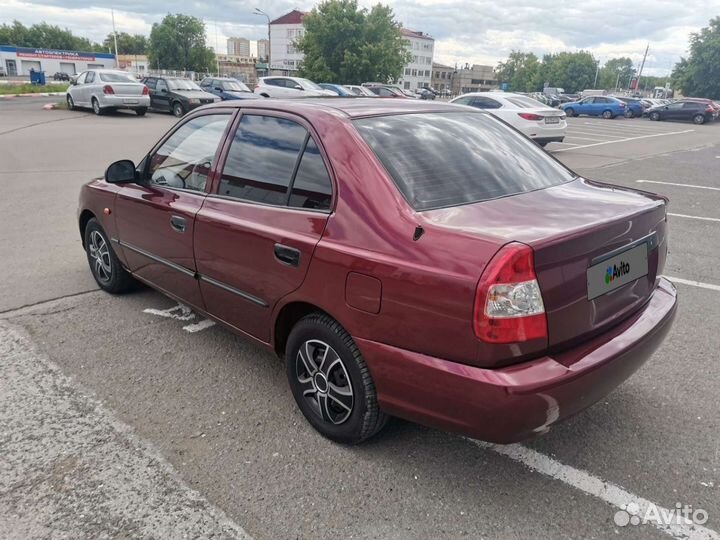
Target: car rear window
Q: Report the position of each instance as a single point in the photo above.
(448, 159)
(116, 77)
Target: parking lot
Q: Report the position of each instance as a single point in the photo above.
(127, 417)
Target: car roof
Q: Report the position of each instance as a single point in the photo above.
(350, 107)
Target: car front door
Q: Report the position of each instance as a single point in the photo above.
(76, 90)
(155, 218)
(160, 97)
(673, 111)
(88, 87)
(257, 231)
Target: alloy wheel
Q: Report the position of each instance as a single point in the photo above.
(99, 252)
(96, 106)
(324, 381)
(70, 103)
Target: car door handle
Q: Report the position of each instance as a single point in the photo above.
(177, 223)
(287, 255)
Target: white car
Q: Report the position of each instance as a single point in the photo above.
(540, 122)
(289, 87)
(360, 90)
(105, 90)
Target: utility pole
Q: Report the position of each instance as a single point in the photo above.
(637, 85)
(260, 12)
(217, 58)
(597, 71)
(112, 13)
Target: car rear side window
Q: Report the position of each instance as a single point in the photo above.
(311, 188)
(261, 160)
(448, 159)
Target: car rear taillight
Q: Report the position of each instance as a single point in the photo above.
(530, 116)
(107, 89)
(622, 105)
(709, 109)
(146, 91)
(508, 304)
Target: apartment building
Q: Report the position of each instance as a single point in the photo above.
(418, 72)
(284, 32)
(238, 46)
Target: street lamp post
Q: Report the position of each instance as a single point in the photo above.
(260, 12)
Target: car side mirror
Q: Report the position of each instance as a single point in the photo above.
(218, 89)
(121, 172)
(163, 90)
(298, 87)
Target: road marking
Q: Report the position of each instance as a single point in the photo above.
(628, 139)
(569, 144)
(197, 327)
(589, 484)
(677, 184)
(694, 217)
(57, 438)
(573, 136)
(181, 312)
(692, 283)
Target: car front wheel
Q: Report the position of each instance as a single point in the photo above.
(330, 381)
(104, 264)
(178, 109)
(70, 103)
(655, 116)
(569, 112)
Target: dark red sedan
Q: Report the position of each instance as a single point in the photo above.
(406, 258)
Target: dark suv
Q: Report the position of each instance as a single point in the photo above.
(227, 89)
(698, 111)
(176, 95)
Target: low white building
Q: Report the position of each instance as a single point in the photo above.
(418, 73)
(284, 32)
(20, 60)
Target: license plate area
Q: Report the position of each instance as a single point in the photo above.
(552, 119)
(618, 270)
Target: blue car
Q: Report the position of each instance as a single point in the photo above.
(227, 89)
(605, 106)
(337, 88)
(633, 107)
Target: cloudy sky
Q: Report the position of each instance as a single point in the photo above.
(474, 31)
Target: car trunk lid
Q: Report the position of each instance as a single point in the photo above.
(127, 89)
(572, 227)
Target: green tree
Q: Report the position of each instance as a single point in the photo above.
(520, 71)
(572, 71)
(616, 72)
(127, 43)
(699, 74)
(178, 42)
(44, 35)
(343, 43)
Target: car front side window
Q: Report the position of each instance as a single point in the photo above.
(185, 159)
(90, 77)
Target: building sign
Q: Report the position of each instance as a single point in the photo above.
(27, 52)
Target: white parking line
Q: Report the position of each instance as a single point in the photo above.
(677, 184)
(573, 136)
(181, 312)
(692, 283)
(694, 217)
(601, 489)
(627, 140)
(196, 327)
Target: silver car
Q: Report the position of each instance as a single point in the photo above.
(105, 90)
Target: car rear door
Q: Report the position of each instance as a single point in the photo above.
(257, 231)
(155, 218)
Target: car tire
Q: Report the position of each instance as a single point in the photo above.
(608, 115)
(141, 111)
(630, 114)
(569, 112)
(70, 103)
(96, 107)
(330, 381)
(654, 116)
(699, 119)
(106, 268)
(178, 110)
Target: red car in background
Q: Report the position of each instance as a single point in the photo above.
(406, 258)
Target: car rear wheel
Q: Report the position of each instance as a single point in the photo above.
(699, 119)
(70, 103)
(330, 381)
(104, 264)
(569, 112)
(607, 115)
(630, 114)
(96, 107)
(178, 109)
(141, 111)
(655, 116)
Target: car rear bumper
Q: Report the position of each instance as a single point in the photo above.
(123, 102)
(549, 132)
(524, 400)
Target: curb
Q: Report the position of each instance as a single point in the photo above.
(39, 94)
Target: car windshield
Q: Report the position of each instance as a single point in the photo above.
(182, 84)
(235, 86)
(525, 102)
(116, 77)
(448, 159)
(308, 84)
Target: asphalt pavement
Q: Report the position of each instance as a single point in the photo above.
(118, 417)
